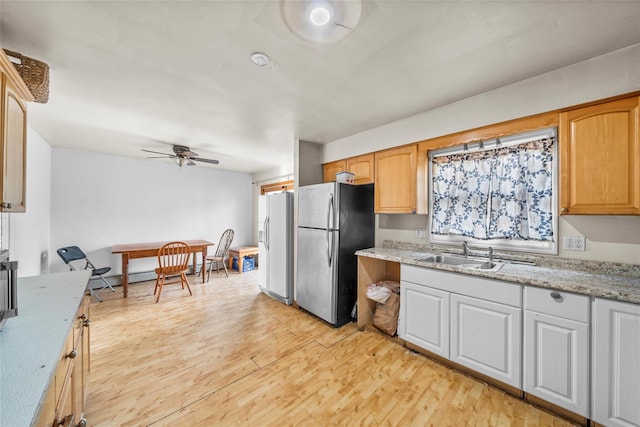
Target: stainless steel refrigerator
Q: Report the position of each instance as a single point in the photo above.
(334, 221)
(275, 246)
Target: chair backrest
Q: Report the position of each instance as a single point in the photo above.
(174, 256)
(71, 253)
(225, 243)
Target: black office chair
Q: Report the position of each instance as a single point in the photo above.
(74, 253)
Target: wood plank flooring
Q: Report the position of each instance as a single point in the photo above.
(231, 356)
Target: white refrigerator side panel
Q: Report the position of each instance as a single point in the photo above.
(279, 236)
(263, 255)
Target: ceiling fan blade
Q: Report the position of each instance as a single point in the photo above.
(189, 162)
(200, 159)
(156, 152)
(161, 157)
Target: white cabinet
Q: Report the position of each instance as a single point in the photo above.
(616, 363)
(470, 320)
(486, 337)
(424, 317)
(556, 348)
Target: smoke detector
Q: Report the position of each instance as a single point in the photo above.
(260, 59)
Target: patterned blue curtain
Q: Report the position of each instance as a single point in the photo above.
(503, 193)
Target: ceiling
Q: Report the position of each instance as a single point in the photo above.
(132, 75)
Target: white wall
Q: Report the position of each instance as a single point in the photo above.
(29, 232)
(609, 238)
(100, 200)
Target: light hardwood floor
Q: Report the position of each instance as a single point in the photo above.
(231, 356)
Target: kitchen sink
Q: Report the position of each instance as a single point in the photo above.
(471, 263)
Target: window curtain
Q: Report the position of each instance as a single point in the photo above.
(502, 193)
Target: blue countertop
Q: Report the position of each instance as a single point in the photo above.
(32, 342)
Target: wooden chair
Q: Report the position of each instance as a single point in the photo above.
(173, 260)
(222, 253)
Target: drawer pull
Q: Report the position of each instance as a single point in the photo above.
(72, 354)
(86, 323)
(556, 296)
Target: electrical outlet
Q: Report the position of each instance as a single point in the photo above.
(574, 243)
(421, 233)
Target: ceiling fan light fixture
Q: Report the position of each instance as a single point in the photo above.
(179, 161)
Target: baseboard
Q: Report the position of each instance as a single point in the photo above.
(140, 276)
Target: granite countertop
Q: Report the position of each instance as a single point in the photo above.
(612, 281)
(32, 342)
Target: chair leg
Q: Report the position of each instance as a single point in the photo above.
(92, 292)
(224, 264)
(209, 272)
(159, 283)
(106, 283)
(185, 280)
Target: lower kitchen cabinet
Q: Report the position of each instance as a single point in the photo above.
(556, 348)
(424, 317)
(616, 363)
(486, 337)
(65, 400)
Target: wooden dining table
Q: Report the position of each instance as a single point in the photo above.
(146, 250)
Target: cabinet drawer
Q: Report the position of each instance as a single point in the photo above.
(557, 303)
(464, 284)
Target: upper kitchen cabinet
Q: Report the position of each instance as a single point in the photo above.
(362, 168)
(13, 137)
(329, 170)
(395, 180)
(600, 159)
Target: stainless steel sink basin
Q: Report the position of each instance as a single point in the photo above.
(472, 263)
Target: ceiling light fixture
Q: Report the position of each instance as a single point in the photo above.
(260, 59)
(319, 15)
(321, 21)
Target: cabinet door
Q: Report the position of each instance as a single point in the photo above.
(486, 337)
(600, 159)
(616, 363)
(362, 168)
(424, 317)
(395, 180)
(14, 137)
(556, 357)
(329, 170)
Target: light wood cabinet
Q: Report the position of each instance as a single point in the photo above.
(616, 363)
(600, 159)
(329, 170)
(13, 137)
(65, 400)
(362, 168)
(395, 180)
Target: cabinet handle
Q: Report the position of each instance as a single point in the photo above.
(83, 317)
(564, 210)
(82, 423)
(556, 296)
(86, 323)
(67, 421)
(72, 354)
(7, 205)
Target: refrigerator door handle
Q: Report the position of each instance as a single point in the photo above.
(329, 244)
(266, 232)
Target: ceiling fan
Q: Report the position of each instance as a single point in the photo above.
(182, 155)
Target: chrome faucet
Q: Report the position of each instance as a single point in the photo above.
(465, 249)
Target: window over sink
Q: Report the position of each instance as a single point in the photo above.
(499, 193)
